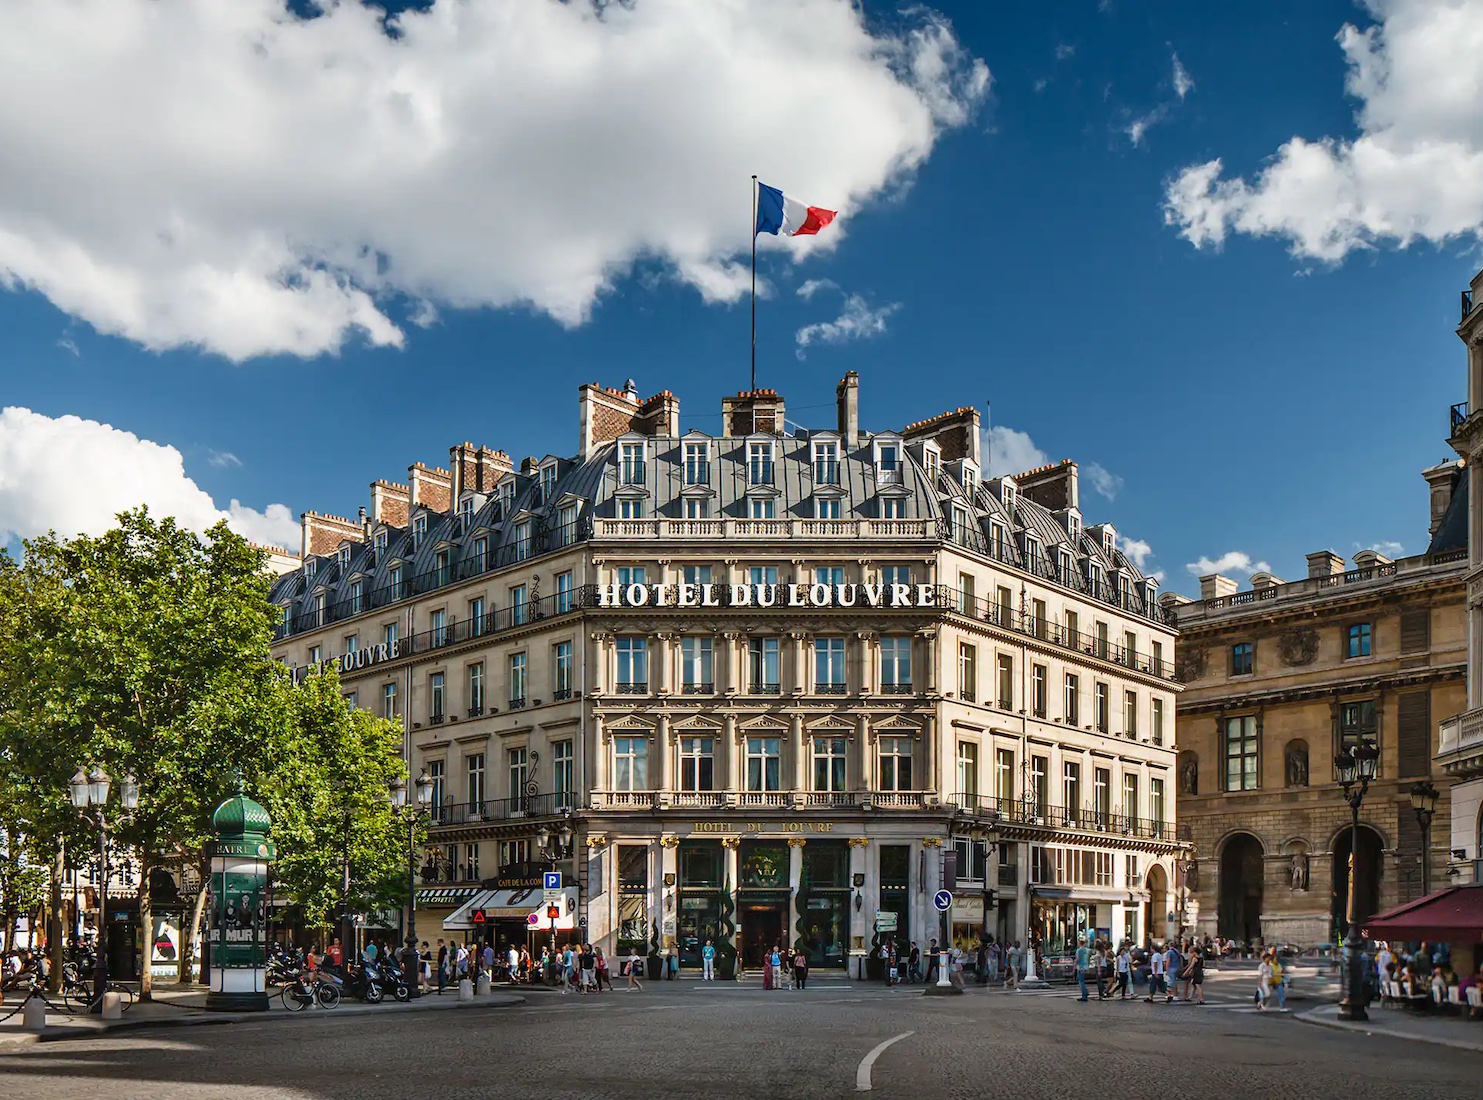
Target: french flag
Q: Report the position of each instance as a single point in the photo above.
(779, 213)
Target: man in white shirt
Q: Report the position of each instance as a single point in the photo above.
(1156, 975)
(1385, 962)
(512, 957)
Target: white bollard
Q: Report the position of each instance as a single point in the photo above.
(33, 1016)
(113, 1006)
(465, 990)
(483, 987)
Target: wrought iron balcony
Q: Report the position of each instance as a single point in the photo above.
(703, 688)
(1467, 304)
(766, 689)
(561, 694)
(829, 689)
(896, 689)
(517, 702)
(1456, 416)
(1085, 819)
(634, 687)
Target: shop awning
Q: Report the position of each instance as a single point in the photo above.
(508, 905)
(446, 895)
(1454, 914)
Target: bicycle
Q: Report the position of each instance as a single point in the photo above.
(308, 988)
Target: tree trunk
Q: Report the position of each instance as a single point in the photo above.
(188, 936)
(146, 924)
(54, 944)
(10, 914)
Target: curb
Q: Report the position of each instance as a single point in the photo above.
(1312, 1016)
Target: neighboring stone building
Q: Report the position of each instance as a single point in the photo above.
(1278, 678)
(751, 686)
(1460, 753)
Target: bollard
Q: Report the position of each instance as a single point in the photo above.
(465, 990)
(113, 1006)
(483, 987)
(33, 1016)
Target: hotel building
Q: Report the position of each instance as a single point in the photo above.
(754, 687)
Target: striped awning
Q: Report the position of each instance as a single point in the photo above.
(445, 895)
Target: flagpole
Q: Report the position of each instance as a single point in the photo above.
(754, 282)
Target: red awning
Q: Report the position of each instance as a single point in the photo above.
(1454, 914)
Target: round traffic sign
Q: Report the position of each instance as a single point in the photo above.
(943, 900)
(532, 919)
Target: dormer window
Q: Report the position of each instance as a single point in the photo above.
(310, 565)
(442, 574)
(960, 524)
(826, 462)
(1109, 540)
(419, 529)
(762, 508)
(698, 463)
(827, 508)
(631, 508)
(631, 463)
(1032, 550)
(1073, 526)
(1008, 497)
(932, 462)
(759, 463)
(1094, 578)
(970, 480)
(548, 483)
(378, 541)
(1064, 560)
(357, 596)
(465, 513)
(479, 558)
(566, 525)
(888, 458)
(996, 540)
(522, 541)
(342, 557)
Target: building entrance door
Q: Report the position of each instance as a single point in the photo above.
(761, 931)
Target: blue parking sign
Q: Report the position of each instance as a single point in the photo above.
(551, 880)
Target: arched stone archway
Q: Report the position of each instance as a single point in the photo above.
(1156, 913)
(1242, 879)
(1369, 867)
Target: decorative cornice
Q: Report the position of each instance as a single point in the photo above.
(597, 840)
(931, 842)
(859, 842)
(797, 841)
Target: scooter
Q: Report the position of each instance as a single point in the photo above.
(363, 980)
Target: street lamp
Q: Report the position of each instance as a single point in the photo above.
(1424, 802)
(988, 836)
(1186, 868)
(422, 795)
(1354, 768)
(89, 791)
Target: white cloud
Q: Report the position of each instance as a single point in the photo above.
(1103, 480)
(1010, 452)
(73, 476)
(856, 321)
(67, 344)
(231, 177)
(1137, 129)
(1139, 552)
(1064, 50)
(223, 460)
(1232, 561)
(1183, 83)
(1415, 170)
(812, 286)
(1389, 548)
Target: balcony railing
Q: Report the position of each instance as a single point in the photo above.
(903, 688)
(1461, 733)
(1467, 304)
(830, 689)
(1087, 819)
(763, 800)
(634, 687)
(704, 688)
(1455, 417)
(766, 689)
(504, 809)
(767, 800)
(729, 528)
(697, 800)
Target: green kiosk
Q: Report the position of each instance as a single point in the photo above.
(239, 879)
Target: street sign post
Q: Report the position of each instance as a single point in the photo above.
(943, 900)
(885, 921)
(552, 893)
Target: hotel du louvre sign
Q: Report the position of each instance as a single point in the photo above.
(803, 595)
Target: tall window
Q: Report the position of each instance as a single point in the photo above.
(893, 508)
(829, 665)
(563, 592)
(1100, 707)
(826, 463)
(519, 765)
(895, 665)
(389, 634)
(895, 574)
(1072, 699)
(1357, 723)
(631, 763)
(966, 597)
(630, 508)
(1156, 658)
(697, 665)
(563, 773)
(1158, 722)
(968, 769)
(1040, 782)
(1241, 753)
(439, 777)
(436, 701)
(1004, 602)
(1156, 800)
(1130, 795)
(561, 665)
(890, 458)
(762, 508)
(632, 574)
(519, 607)
(895, 763)
(476, 689)
(829, 763)
(762, 654)
(388, 700)
(517, 680)
(764, 763)
(566, 525)
(697, 464)
(762, 574)
(1006, 682)
(1004, 776)
(1130, 714)
(1102, 794)
(967, 672)
(695, 508)
(697, 763)
(631, 463)
(442, 568)
(1357, 640)
(357, 596)
(474, 787)
(419, 529)
(1071, 787)
(1104, 647)
(438, 621)
(352, 643)
(1038, 619)
(633, 664)
(1073, 630)
(1243, 659)
(522, 541)
(1130, 649)
(548, 484)
(759, 464)
(696, 574)
(477, 624)
(395, 581)
(1037, 690)
(829, 574)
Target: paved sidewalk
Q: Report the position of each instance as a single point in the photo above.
(1397, 1023)
(176, 1007)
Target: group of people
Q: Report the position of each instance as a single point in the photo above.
(784, 968)
(989, 961)
(1175, 972)
(1426, 969)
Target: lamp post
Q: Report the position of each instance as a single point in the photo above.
(89, 790)
(1355, 768)
(411, 813)
(554, 852)
(1424, 802)
(1186, 868)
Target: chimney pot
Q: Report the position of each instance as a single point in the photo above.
(1214, 586)
(1324, 563)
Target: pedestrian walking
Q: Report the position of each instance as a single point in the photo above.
(1155, 975)
(1263, 983)
(800, 968)
(600, 971)
(442, 965)
(914, 963)
(708, 962)
(1124, 972)
(775, 960)
(932, 960)
(1083, 964)
(1012, 970)
(1197, 974)
(672, 963)
(1279, 980)
(587, 966)
(1173, 964)
(631, 968)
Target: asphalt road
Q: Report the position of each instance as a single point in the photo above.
(719, 1041)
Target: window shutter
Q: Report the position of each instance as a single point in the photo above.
(1408, 851)
(1416, 630)
(1413, 732)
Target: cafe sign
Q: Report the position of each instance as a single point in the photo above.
(685, 594)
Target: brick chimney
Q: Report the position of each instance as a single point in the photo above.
(432, 487)
(847, 398)
(390, 503)
(1443, 481)
(1052, 487)
(322, 534)
(754, 412)
(605, 414)
(476, 469)
(1214, 586)
(1324, 563)
(659, 415)
(955, 432)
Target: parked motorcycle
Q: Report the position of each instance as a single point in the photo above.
(364, 981)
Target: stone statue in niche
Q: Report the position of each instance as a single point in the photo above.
(1297, 646)
(1189, 664)
(1189, 776)
(1300, 870)
(1297, 765)
(1192, 877)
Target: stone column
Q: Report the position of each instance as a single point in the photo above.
(929, 751)
(866, 662)
(664, 564)
(732, 748)
(663, 662)
(861, 916)
(800, 756)
(862, 777)
(800, 665)
(795, 877)
(602, 660)
(661, 779)
(929, 659)
(599, 754)
(669, 902)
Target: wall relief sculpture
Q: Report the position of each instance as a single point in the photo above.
(1298, 646)
(1190, 664)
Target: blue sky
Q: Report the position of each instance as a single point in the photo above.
(1274, 391)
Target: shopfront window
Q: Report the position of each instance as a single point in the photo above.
(633, 899)
(823, 920)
